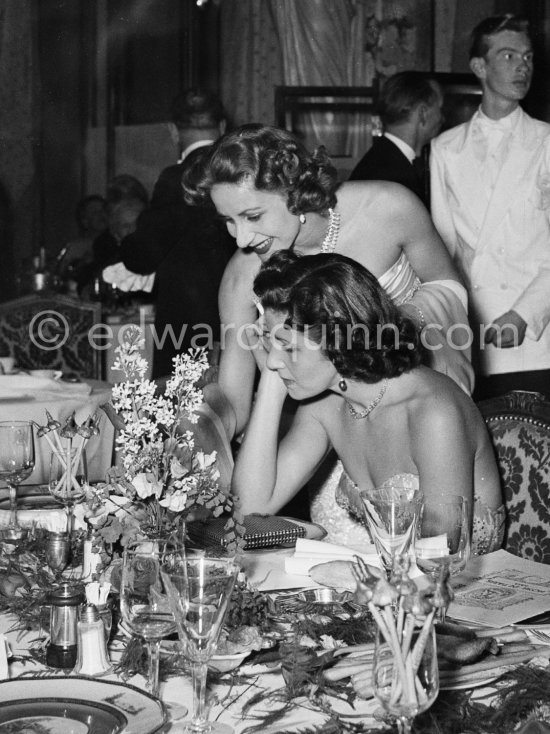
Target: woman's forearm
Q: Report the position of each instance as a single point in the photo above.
(255, 474)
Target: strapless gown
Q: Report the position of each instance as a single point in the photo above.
(332, 499)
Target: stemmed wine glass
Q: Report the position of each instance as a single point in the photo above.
(405, 696)
(16, 464)
(392, 514)
(200, 593)
(444, 538)
(143, 602)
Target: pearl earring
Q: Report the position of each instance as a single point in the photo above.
(302, 218)
(343, 385)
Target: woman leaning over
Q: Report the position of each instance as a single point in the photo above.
(274, 195)
(337, 344)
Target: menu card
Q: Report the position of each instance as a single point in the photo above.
(499, 589)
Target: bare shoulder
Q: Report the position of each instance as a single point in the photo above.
(380, 199)
(441, 407)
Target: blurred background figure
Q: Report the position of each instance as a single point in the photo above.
(126, 198)
(75, 258)
(410, 111)
(187, 247)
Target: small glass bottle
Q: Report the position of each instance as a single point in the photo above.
(92, 656)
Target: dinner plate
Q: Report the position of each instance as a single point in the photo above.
(77, 705)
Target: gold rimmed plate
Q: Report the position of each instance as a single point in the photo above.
(77, 705)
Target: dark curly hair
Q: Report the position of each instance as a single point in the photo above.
(340, 305)
(273, 160)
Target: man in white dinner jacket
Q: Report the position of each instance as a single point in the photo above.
(490, 201)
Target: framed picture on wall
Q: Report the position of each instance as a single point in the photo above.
(340, 118)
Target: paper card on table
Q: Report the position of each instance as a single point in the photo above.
(499, 589)
(309, 553)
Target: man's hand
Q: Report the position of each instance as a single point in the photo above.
(506, 331)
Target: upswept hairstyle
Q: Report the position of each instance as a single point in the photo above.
(404, 91)
(339, 304)
(479, 45)
(273, 160)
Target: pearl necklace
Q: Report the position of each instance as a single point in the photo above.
(358, 415)
(331, 237)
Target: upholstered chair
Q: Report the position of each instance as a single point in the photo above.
(519, 423)
(51, 331)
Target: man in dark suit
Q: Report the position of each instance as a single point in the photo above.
(185, 246)
(410, 111)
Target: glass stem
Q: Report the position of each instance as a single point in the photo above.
(153, 670)
(404, 724)
(70, 520)
(200, 718)
(14, 522)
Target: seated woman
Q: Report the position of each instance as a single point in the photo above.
(273, 194)
(336, 343)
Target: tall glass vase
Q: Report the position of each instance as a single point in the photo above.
(68, 479)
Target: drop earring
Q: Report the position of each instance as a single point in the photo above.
(302, 218)
(343, 385)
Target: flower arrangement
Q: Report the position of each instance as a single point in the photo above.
(161, 476)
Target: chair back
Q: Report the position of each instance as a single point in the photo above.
(51, 331)
(519, 424)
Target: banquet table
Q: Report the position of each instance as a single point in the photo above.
(60, 399)
(227, 696)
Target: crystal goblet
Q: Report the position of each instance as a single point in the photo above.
(144, 605)
(392, 515)
(444, 538)
(16, 465)
(200, 593)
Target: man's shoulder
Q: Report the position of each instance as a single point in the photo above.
(450, 137)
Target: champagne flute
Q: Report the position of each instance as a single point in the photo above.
(391, 515)
(144, 605)
(200, 593)
(405, 696)
(444, 539)
(16, 464)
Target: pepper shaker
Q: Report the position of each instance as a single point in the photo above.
(62, 648)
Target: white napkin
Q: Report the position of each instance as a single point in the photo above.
(434, 547)
(309, 553)
(12, 386)
(53, 520)
(123, 279)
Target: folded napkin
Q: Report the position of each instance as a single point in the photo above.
(53, 520)
(123, 279)
(434, 547)
(12, 386)
(309, 553)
